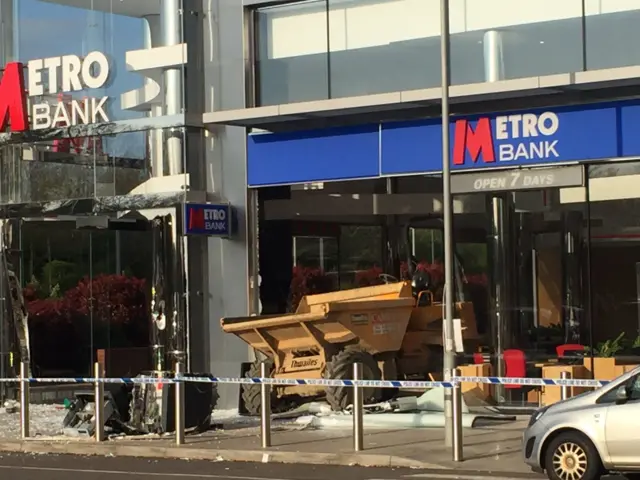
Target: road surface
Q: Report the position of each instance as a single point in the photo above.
(63, 467)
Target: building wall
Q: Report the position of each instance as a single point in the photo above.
(225, 154)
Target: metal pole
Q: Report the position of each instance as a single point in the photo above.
(449, 355)
(24, 399)
(564, 389)
(265, 411)
(358, 431)
(457, 422)
(99, 403)
(179, 410)
(587, 187)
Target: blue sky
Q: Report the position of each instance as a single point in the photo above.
(49, 30)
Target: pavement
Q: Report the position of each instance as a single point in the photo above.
(492, 450)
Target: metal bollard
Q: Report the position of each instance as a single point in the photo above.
(24, 399)
(456, 435)
(179, 408)
(265, 410)
(358, 430)
(564, 389)
(98, 417)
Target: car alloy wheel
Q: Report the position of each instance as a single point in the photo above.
(570, 461)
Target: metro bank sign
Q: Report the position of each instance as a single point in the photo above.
(52, 77)
(507, 139)
(207, 219)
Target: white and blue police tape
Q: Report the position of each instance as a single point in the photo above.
(323, 382)
(537, 382)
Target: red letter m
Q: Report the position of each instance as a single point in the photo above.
(13, 101)
(474, 142)
(196, 218)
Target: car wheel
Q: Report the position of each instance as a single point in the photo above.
(572, 456)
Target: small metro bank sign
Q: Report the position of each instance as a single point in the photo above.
(53, 76)
(506, 138)
(207, 219)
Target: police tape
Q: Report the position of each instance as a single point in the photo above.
(321, 382)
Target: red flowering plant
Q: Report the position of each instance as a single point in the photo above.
(369, 277)
(307, 281)
(108, 310)
(479, 279)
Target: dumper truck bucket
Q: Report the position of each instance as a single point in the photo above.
(374, 317)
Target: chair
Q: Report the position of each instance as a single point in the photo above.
(478, 359)
(561, 350)
(515, 365)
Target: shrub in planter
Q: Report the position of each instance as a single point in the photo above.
(106, 311)
(307, 281)
(369, 277)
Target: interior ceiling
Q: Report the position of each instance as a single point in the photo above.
(129, 8)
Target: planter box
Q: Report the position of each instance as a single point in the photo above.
(604, 367)
(553, 394)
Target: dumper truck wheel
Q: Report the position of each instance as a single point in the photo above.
(340, 367)
(251, 392)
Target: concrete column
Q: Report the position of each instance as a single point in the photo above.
(493, 56)
(171, 21)
(155, 142)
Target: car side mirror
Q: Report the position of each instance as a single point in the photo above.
(621, 394)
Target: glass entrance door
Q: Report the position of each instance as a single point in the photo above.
(86, 291)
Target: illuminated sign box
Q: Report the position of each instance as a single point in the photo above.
(208, 219)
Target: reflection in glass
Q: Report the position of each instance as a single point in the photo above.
(615, 260)
(337, 48)
(62, 170)
(85, 291)
(609, 25)
(292, 58)
(46, 29)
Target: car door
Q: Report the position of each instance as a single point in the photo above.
(622, 427)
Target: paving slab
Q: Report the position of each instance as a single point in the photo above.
(492, 449)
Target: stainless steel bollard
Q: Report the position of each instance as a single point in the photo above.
(358, 430)
(98, 417)
(456, 435)
(564, 389)
(24, 399)
(179, 408)
(265, 409)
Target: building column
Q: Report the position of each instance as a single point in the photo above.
(155, 142)
(500, 242)
(493, 56)
(171, 21)
(228, 268)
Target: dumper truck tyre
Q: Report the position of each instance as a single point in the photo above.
(340, 367)
(251, 392)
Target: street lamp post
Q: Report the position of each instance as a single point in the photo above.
(449, 353)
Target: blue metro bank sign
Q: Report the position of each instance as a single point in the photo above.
(537, 136)
(207, 219)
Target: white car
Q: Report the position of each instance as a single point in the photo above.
(590, 435)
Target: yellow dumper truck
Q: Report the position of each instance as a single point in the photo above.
(394, 330)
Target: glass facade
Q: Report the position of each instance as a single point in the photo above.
(80, 184)
(553, 275)
(43, 30)
(321, 49)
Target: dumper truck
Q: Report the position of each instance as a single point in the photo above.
(395, 330)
